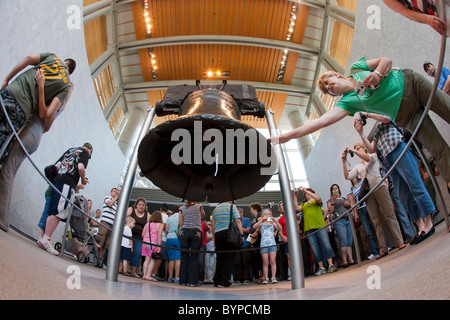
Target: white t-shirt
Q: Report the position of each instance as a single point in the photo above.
(371, 170)
(126, 241)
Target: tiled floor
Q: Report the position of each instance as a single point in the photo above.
(416, 272)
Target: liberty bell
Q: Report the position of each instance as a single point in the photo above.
(207, 153)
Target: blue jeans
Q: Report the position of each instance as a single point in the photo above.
(201, 264)
(44, 216)
(189, 239)
(344, 232)
(408, 171)
(136, 254)
(402, 212)
(320, 245)
(364, 218)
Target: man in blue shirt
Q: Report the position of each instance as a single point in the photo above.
(444, 83)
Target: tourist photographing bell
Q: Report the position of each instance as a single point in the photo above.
(207, 153)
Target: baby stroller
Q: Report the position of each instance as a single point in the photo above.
(78, 239)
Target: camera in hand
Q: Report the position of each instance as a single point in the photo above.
(359, 88)
(363, 120)
(349, 151)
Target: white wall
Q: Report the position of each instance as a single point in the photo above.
(28, 27)
(408, 44)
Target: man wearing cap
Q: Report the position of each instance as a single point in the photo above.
(71, 167)
(444, 83)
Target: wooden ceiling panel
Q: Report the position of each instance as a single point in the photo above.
(253, 18)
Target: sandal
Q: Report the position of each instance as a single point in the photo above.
(150, 279)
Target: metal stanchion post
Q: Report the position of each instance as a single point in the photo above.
(355, 238)
(122, 205)
(295, 250)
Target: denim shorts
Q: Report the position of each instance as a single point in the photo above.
(173, 254)
(268, 249)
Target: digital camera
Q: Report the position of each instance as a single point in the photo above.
(359, 89)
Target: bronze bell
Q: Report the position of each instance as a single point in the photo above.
(207, 153)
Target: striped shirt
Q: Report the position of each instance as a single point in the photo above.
(221, 216)
(356, 191)
(108, 213)
(192, 217)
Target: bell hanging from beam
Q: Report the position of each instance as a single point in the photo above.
(207, 153)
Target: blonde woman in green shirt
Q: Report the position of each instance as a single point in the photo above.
(314, 223)
(399, 96)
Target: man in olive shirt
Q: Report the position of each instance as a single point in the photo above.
(24, 97)
(48, 81)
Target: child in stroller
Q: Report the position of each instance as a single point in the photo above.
(79, 240)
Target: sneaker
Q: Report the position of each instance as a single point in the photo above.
(320, 272)
(372, 256)
(274, 280)
(265, 281)
(46, 244)
(246, 282)
(332, 268)
(169, 280)
(38, 242)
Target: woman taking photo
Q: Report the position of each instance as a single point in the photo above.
(313, 226)
(337, 206)
(379, 203)
(267, 226)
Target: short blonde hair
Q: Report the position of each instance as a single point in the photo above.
(324, 77)
(359, 144)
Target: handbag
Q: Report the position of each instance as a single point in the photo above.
(234, 236)
(50, 172)
(365, 188)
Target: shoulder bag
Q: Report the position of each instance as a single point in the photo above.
(234, 236)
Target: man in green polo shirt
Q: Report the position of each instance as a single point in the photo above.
(399, 96)
(40, 90)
